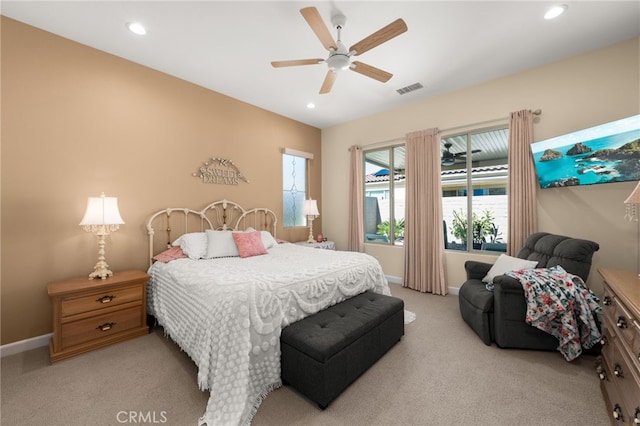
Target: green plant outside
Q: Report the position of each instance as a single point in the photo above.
(482, 226)
(384, 228)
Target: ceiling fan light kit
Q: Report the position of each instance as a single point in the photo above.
(339, 57)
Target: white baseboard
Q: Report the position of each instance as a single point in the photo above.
(25, 345)
(398, 280)
(394, 280)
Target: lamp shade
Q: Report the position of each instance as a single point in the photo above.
(102, 211)
(311, 208)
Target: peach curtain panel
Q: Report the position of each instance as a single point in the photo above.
(424, 259)
(355, 241)
(522, 181)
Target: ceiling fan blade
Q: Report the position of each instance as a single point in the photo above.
(464, 153)
(313, 18)
(392, 30)
(328, 82)
(296, 62)
(369, 71)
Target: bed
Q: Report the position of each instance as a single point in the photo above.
(227, 312)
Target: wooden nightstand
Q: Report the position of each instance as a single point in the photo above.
(326, 245)
(90, 314)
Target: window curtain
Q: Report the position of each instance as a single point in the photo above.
(522, 181)
(424, 237)
(355, 241)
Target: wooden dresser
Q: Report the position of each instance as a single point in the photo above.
(619, 365)
(89, 314)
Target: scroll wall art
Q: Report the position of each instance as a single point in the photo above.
(220, 171)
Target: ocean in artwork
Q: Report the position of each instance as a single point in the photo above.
(608, 166)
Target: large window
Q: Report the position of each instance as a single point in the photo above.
(478, 197)
(384, 195)
(294, 182)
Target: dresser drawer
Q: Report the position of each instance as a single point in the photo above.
(607, 340)
(99, 300)
(619, 413)
(624, 320)
(608, 303)
(101, 326)
(626, 379)
(636, 343)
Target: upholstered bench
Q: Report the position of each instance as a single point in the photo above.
(326, 352)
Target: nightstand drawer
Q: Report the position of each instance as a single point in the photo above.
(94, 301)
(101, 326)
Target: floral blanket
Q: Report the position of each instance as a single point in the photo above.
(227, 314)
(560, 304)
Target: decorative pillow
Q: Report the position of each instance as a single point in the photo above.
(193, 244)
(221, 244)
(508, 263)
(170, 254)
(249, 243)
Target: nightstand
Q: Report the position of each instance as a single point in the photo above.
(90, 314)
(326, 245)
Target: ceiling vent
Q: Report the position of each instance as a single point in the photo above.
(410, 88)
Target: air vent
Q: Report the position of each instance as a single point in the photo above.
(410, 88)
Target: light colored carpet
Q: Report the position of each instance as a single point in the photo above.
(440, 373)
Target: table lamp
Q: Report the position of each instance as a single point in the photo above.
(311, 211)
(101, 218)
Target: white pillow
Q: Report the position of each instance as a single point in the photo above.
(193, 244)
(267, 239)
(220, 244)
(508, 263)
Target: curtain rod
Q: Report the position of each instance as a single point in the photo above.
(479, 123)
(390, 141)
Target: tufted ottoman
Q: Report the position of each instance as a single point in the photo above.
(326, 352)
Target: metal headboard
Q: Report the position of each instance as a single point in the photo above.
(219, 215)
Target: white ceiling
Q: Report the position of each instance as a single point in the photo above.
(227, 46)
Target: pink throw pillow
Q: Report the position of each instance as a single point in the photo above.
(170, 254)
(249, 243)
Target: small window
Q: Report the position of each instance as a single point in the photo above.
(294, 179)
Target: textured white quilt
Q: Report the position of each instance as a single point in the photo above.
(227, 315)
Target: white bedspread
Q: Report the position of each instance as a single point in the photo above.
(227, 315)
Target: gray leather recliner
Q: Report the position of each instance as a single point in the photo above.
(499, 315)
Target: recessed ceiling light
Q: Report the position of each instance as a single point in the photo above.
(311, 105)
(136, 28)
(555, 11)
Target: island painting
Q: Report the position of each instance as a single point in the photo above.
(606, 153)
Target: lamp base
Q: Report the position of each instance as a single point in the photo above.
(101, 270)
(310, 239)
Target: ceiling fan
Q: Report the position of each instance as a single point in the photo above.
(450, 158)
(339, 57)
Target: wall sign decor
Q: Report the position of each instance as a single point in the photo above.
(220, 171)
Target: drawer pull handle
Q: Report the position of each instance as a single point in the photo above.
(601, 374)
(604, 341)
(606, 301)
(105, 299)
(617, 371)
(106, 326)
(622, 322)
(617, 413)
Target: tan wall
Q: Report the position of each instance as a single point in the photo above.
(575, 93)
(76, 122)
